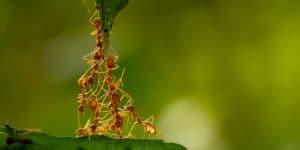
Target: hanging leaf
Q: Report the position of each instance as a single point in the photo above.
(108, 10)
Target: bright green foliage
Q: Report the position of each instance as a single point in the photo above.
(46, 142)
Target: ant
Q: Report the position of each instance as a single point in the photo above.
(15, 136)
(147, 124)
(86, 130)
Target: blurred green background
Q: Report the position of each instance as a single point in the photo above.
(217, 74)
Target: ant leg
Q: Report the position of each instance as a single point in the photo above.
(104, 117)
(123, 112)
(99, 83)
(110, 119)
(100, 72)
(104, 132)
(127, 121)
(116, 57)
(116, 67)
(101, 89)
(103, 97)
(87, 92)
(88, 55)
(78, 120)
(129, 135)
(92, 17)
(131, 129)
(122, 98)
(127, 124)
(91, 93)
(150, 119)
(87, 124)
(144, 134)
(93, 33)
(120, 80)
(114, 53)
(86, 6)
(104, 80)
(130, 99)
(103, 101)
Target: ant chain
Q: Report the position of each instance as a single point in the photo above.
(104, 98)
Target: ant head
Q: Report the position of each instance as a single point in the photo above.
(97, 21)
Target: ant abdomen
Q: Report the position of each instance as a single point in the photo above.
(82, 81)
(93, 104)
(110, 62)
(91, 80)
(99, 43)
(149, 127)
(97, 55)
(81, 108)
(115, 98)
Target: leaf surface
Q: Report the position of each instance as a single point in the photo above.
(108, 10)
(47, 142)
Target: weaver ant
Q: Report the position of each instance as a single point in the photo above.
(16, 136)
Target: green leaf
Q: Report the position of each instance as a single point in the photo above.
(37, 141)
(108, 10)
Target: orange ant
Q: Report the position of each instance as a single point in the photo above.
(83, 81)
(147, 125)
(86, 130)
